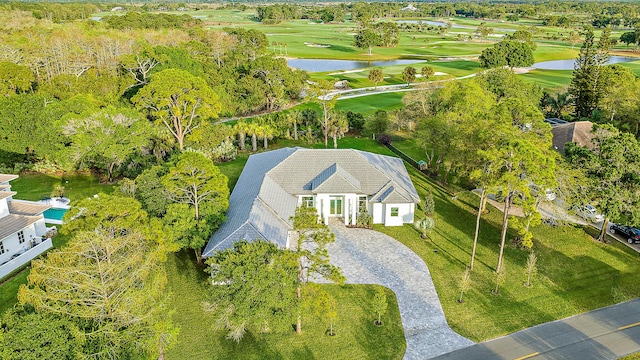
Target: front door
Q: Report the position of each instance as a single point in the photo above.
(335, 206)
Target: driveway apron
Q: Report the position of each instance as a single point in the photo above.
(370, 257)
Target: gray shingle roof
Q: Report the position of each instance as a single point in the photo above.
(11, 224)
(391, 194)
(242, 200)
(266, 194)
(334, 179)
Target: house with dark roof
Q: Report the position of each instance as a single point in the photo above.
(337, 182)
(578, 132)
(22, 228)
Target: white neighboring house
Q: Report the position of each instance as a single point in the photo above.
(336, 182)
(22, 229)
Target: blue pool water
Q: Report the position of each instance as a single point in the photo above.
(55, 214)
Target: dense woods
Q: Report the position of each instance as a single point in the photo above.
(65, 75)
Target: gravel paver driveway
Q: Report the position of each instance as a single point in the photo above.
(370, 257)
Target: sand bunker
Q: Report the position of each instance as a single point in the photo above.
(346, 72)
(317, 45)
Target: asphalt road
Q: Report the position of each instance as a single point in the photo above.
(607, 333)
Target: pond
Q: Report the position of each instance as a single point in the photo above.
(318, 65)
(569, 64)
(428, 22)
(444, 24)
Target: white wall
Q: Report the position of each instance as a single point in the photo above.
(40, 227)
(381, 212)
(378, 213)
(4, 208)
(405, 214)
(13, 246)
(323, 205)
(12, 265)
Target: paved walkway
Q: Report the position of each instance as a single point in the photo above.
(607, 333)
(370, 257)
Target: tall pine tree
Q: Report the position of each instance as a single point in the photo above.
(586, 87)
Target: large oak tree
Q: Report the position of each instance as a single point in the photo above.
(179, 101)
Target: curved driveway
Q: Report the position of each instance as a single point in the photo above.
(370, 257)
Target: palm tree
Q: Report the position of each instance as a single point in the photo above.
(293, 117)
(309, 117)
(241, 128)
(265, 132)
(252, 130)
(338, 125)
(557, 104)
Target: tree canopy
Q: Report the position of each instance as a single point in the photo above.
(179, 101)
(199, 198)
(507, 53)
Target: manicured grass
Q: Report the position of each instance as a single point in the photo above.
(9, 289)
(370, 104)
(575, 273)
(349, 142)
(76, 186)
(409, 146)
(356, 335)
(549, 78)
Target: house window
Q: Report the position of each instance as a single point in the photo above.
(362, 203)
(2, 250)
(307, 201)
(21, 237)
(394, 211)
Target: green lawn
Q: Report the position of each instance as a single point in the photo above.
(549, 79)
(356, 335)
(76, 186)
(9, 289)
(370, 104)
(576, 274)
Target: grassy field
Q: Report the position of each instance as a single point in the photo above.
(575, 273)
(548, 79)
(356, 335)
(370, 104)
(76, 186)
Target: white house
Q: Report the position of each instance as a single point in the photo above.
(338, 183)
(22, 229)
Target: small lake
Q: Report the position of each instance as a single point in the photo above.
(427, 22)
(569, 64)
(319, 65)
(444, 24)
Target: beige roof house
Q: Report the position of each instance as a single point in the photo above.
(578, 132)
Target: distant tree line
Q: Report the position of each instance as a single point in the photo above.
(565, 13)
(137, 20)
